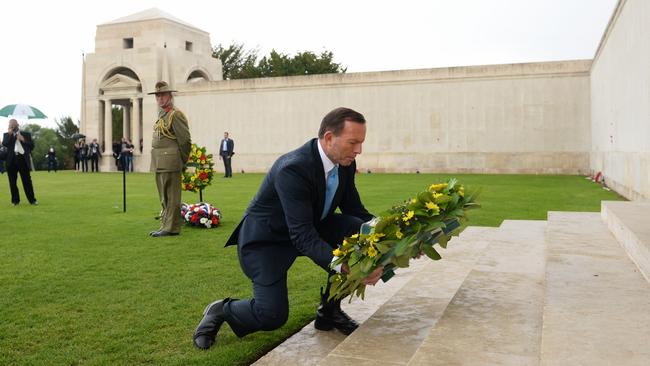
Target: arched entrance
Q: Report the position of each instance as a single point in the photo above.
(121, 87)
(197, 76)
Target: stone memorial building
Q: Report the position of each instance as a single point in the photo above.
(566, 117)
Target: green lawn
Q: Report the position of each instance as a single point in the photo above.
(81, 283)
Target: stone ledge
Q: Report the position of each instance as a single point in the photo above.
(628, 221)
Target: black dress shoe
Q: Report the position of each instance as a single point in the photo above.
(330, 315)
(206, 332)
(336, 319)
(162, 233)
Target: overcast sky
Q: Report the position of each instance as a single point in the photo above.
(42, 41)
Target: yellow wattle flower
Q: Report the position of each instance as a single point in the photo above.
(436, 195)
(432, 206)
(413, 200)
(437, 187)
(399, 234)
(354, 236)
(372, 251)
(409, 215)
(337, 252)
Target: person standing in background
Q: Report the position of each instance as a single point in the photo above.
(95, 154)
(19, 146)
(51, 159)
(77, 155)
(226, 151)
(83, 155)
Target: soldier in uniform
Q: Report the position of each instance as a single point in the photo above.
(170, 148)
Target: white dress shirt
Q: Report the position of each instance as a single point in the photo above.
(18, 147)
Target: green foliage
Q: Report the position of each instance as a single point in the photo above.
(44, 138)
(118, 123)
(66, 129)
(239, 63)
(83, 284)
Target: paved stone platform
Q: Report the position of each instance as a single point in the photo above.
(567, 291)
(597, 303)
(310, 346)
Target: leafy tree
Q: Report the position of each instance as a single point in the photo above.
(44, 138)
(239, 63)
(66, 129)
(118, 123)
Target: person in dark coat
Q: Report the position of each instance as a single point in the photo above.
(51, 160)
(226, 151)
(293, 214)
(95, 153)
(83, 155)
(19, 147)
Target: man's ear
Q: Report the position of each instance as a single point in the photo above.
(327, 137)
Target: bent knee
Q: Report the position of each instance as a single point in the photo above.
(273, 319)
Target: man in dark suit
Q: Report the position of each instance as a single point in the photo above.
(19, 147)
(226, 151)
(291, 215)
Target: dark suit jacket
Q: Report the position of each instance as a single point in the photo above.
(230, 145)
(288, 206)
(9, 140)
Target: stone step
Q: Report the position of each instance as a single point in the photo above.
(495, 318)
(401, 324)
(310, 347)
(597, 303)
(630, 224)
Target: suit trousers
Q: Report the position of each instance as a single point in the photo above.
(94, 163)
(169, 191)
(269, 307)
(20, 164)
(227, 168)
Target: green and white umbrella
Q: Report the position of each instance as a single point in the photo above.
(21, 111)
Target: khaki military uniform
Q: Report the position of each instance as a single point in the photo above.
(170, 148)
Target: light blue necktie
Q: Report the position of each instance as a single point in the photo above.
(332, 185)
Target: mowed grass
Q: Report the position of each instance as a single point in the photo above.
(81, 283)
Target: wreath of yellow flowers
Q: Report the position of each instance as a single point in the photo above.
(198, 171)
(400, 234)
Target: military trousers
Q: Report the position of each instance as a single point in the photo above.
(169, 191)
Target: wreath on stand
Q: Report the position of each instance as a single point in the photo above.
(198, 172)
(196, 176)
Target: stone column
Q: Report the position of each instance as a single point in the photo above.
(100, 123)
(135, 126)
(108, 127)
(126, 121)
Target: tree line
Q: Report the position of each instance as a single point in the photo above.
(241, 63)
(61, 138)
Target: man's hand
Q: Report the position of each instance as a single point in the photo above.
(373, 277)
